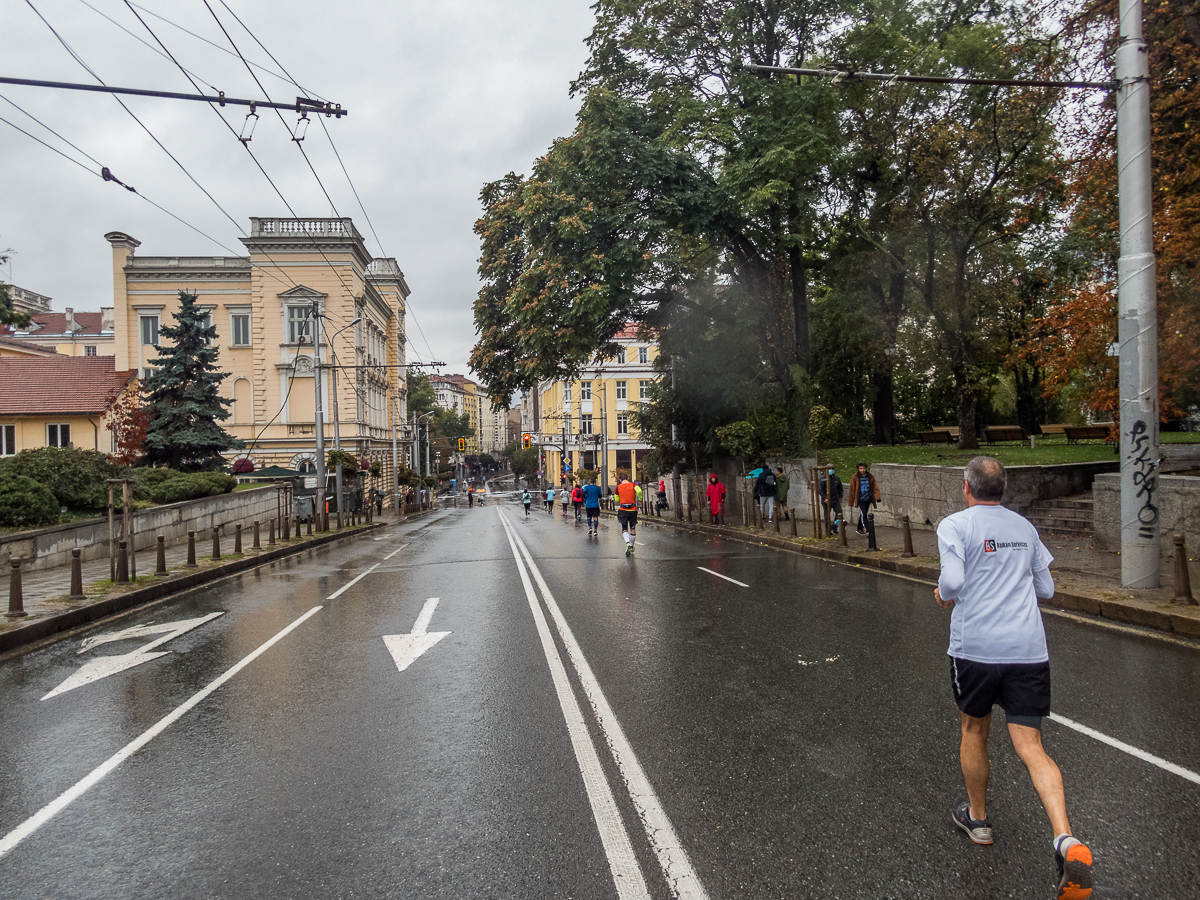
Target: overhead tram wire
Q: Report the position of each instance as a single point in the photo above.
(329, 136)
(89, 70)
(103, 168)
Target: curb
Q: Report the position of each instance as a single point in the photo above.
(174, 584)
(1147, 614)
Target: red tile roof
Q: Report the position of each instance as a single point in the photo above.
(58, 385)
(26, 346)
(56, 323)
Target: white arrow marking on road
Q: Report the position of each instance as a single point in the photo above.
(406, 649)
(111, 665)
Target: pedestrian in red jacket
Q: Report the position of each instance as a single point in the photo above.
(716, 499)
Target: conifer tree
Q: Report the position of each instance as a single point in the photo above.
(184, 395)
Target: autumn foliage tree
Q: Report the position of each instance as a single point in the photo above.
(128, 421)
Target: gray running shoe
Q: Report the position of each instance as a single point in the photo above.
(978, 830)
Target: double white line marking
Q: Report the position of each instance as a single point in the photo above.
(677, 868)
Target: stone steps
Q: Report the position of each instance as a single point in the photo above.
(1063, 517)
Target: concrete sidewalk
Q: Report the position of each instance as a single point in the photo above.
(1086, 580)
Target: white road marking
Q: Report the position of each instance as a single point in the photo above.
(681, 877)
(622, 861)
(1127, 748)
(394, 552)
(54, 807)
(407, 648)
(102, 667)
(352, 583)
(719, 575)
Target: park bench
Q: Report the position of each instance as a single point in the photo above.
(1098, 432)
(938, 436)
(1048, 430)
(995, 433)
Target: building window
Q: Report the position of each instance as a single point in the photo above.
(89, 349)
(621, 355)
(644, 390)
(622, 393)
(585, 390)
(622, 423)
(300, 325)
(566, 392)
(8, 440)
(643, 354)
(58, 435)
(585, 424)
(241, 330)
(150, 331)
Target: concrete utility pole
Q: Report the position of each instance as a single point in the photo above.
(1138, 318)
(320, 416)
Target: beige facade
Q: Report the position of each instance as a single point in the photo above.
(262, 306)
(591, 415)
(70, 333)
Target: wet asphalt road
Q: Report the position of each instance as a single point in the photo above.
(797, 735)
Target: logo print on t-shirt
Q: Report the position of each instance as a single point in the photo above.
(989, 546)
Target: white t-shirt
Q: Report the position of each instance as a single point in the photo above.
(994, 566)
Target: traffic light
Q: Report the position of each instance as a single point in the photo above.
(526, 441)
(462, 444)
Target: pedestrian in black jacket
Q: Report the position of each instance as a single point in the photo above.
(831, 491)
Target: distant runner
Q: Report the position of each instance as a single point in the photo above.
(577, 502)
(527, 500)
(591, 504)
(627, 511)
(550, 501)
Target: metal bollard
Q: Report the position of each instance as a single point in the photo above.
(237, 539)
(191, 560)
(1183, 579)
(16, 600)
(122, 563)
(871, 545)
(310, 524)
(843, 541)
(777, 520)
(793, 518)
(339, 520)
(77, 574)
(160, 564)
(256, 545)
(287, 528)
(216, 542)
(908, 547)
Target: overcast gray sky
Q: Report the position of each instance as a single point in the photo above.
(443, 97)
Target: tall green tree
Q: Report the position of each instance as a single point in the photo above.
(183, 395)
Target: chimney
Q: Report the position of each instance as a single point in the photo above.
(70, 313)
(107, 321)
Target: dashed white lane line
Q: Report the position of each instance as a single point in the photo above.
(726, 577)
(349, 584)
(1127, 748)
(54, 807)
(394, 552)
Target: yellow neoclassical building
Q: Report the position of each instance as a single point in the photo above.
(590, 417)
(262, 306)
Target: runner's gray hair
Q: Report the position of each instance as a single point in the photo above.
(987, 479)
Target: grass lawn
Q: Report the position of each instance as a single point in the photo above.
(1049, 451)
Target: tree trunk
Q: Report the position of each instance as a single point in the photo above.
(967, 391)
(883, 409)
(1030, 402)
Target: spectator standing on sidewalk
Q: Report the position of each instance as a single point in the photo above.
(830, 489)
(782, 486)
(864, 491)
(764, 491)
(716, 499)
(994, 568)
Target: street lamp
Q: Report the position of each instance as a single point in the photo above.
(337, 442)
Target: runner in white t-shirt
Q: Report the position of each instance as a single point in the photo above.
(994, 567)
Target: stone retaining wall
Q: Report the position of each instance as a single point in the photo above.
(46, 548)
(1178, 501)
(927, 494)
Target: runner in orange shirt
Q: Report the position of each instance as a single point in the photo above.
(627, 513)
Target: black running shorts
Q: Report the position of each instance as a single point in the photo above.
(593, 512)
(1022, 690)
(628, 519)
